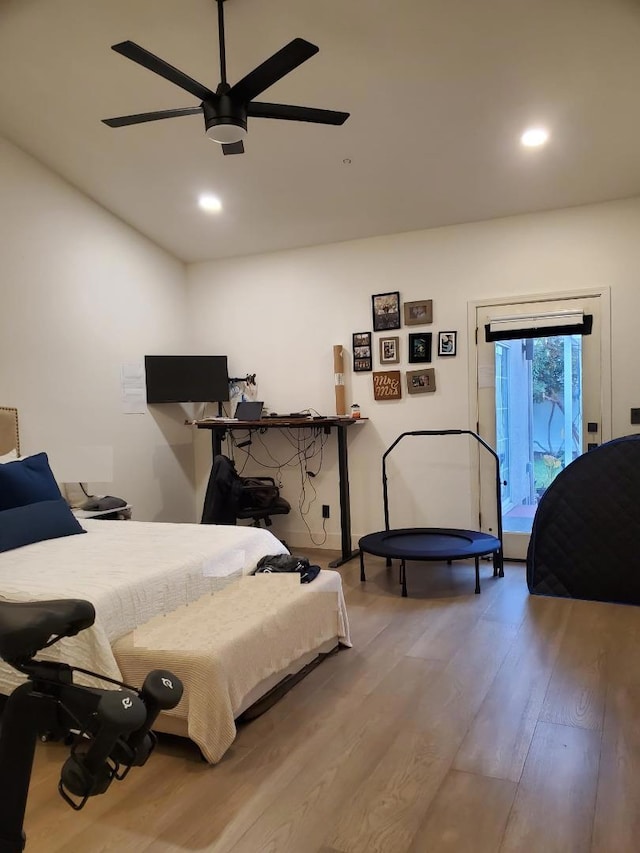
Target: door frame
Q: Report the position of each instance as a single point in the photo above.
(604, 293)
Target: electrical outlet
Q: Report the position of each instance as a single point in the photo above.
(326, 511)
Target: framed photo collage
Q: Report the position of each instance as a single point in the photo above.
(389, 349)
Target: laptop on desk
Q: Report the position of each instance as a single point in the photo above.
(249, 410)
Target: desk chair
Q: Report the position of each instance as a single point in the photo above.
(230, 497)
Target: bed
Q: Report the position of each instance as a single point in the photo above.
(181, 597)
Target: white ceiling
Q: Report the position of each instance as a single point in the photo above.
(438, 90)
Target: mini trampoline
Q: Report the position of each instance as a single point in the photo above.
(434, 544)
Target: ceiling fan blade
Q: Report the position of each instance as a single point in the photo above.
(292, 113)
(123, 121)
(273, 69)
(148, 60)
(233, 148)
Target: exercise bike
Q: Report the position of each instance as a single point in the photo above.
(109, 731)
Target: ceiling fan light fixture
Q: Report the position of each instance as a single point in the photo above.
(226, 132)
(225, 122)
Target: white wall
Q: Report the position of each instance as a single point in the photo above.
(279, 315)
(82, 293)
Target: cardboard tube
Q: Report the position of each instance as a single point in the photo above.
(338, 369)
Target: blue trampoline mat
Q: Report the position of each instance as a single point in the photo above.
(429, 543)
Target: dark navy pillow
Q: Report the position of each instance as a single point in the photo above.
(23, 525)
(27, 481)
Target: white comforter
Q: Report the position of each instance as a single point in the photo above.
(131, 571)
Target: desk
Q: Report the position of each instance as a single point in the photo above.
(220, 427)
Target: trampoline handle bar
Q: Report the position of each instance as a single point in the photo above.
(442, 432)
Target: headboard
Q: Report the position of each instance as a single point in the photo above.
(9, 434)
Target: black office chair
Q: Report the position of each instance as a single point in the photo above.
(230, 497)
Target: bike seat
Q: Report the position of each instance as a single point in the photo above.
(26, 627)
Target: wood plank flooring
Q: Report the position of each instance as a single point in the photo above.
(498, 723)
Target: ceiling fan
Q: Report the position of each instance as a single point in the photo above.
(226, 110)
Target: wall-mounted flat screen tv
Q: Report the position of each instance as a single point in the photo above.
(186, 378)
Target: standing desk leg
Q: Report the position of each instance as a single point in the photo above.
(345, 507)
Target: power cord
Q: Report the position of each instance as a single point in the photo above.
(308, 445)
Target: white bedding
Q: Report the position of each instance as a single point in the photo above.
(224, 649)
(131, 571)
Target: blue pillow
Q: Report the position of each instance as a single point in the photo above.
(27, 481)
(23, 525)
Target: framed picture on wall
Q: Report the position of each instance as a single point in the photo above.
(421, 381)
(389, 350)
(386, 385)
(418, 313)
(447, 343)
(419, 347)
(386, 311)
(362, 356)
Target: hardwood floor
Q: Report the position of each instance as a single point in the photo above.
(494, 723)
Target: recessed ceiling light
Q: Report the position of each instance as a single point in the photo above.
(534, 137)
(210, 203)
